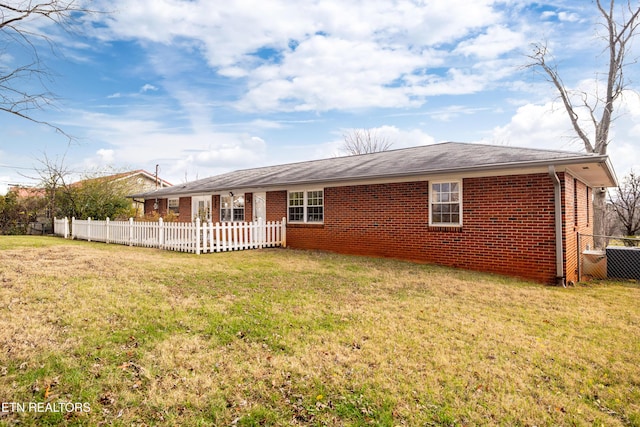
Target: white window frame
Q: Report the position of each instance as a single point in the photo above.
(305, 206)
(433, 201)
(233, 209)
(175, 209)
(195, 202)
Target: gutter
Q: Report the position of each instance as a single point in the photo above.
(560, 279)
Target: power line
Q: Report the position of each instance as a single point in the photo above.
(4, 166)
(14, 182)
(17, 167)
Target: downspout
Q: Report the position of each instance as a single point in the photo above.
(557, 192)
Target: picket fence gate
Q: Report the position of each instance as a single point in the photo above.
(194, 237)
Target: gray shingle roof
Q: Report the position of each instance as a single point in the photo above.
(421, 160)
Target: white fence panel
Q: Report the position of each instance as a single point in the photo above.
(80, 229)
(178, 236)
(98, 230)
(145, 234)
(119, 232)
(192, 237)
(61, 227)
(273, 233)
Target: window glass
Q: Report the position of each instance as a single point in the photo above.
(446, 198)
(296, 198)
(174, 205)
(232, 208)
(201, 206)
(306, 206)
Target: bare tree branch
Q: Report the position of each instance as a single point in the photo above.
(364, 141)
(626, 204)
(18, 34)
(621, 25)
(52, 175)
(539, 60)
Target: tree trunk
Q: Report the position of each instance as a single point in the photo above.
(599, 217)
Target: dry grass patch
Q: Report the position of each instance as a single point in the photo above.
(281, 337)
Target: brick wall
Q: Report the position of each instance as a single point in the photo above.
(184, 209)
(508, 225)
(215, 208)
(149, 206)
(248, 207)
(578, 218)
(276, 205)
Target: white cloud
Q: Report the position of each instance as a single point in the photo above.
(106, 156)
(563, 16)
(322, 55)
(148, 87)
(326, 73)
(231, 31)
(548, 126)
(238, 151)
(144, 89)
(265, 124)
(447, 114)
(6, 59)
(398, 138)
(4, 186)
(139, 142)
(402, 138)
(496, 41)
(538, 126)
(568, 16)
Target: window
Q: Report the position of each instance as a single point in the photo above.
(446, 204)
(296, 206)
(306, 206)
(201, 207)
(232, 208)
(315, 206)
(173, 205)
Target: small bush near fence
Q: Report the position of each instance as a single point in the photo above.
(620, 258)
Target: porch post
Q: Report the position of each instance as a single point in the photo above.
(284, 232)
(197, 236)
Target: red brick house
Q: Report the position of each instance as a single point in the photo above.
(501, 209)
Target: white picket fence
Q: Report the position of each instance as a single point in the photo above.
(195, 237)
(61, 227)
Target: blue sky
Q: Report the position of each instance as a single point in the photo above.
(201, 87)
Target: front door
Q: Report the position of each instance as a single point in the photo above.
(201, 208)
(259, 206)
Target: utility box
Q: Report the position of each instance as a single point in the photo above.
(594, 264)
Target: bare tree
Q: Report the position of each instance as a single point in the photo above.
(52, 175)
(620, 24)
(626, 204)
(20, 33)
(364, 141)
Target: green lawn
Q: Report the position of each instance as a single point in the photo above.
(284, 337)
